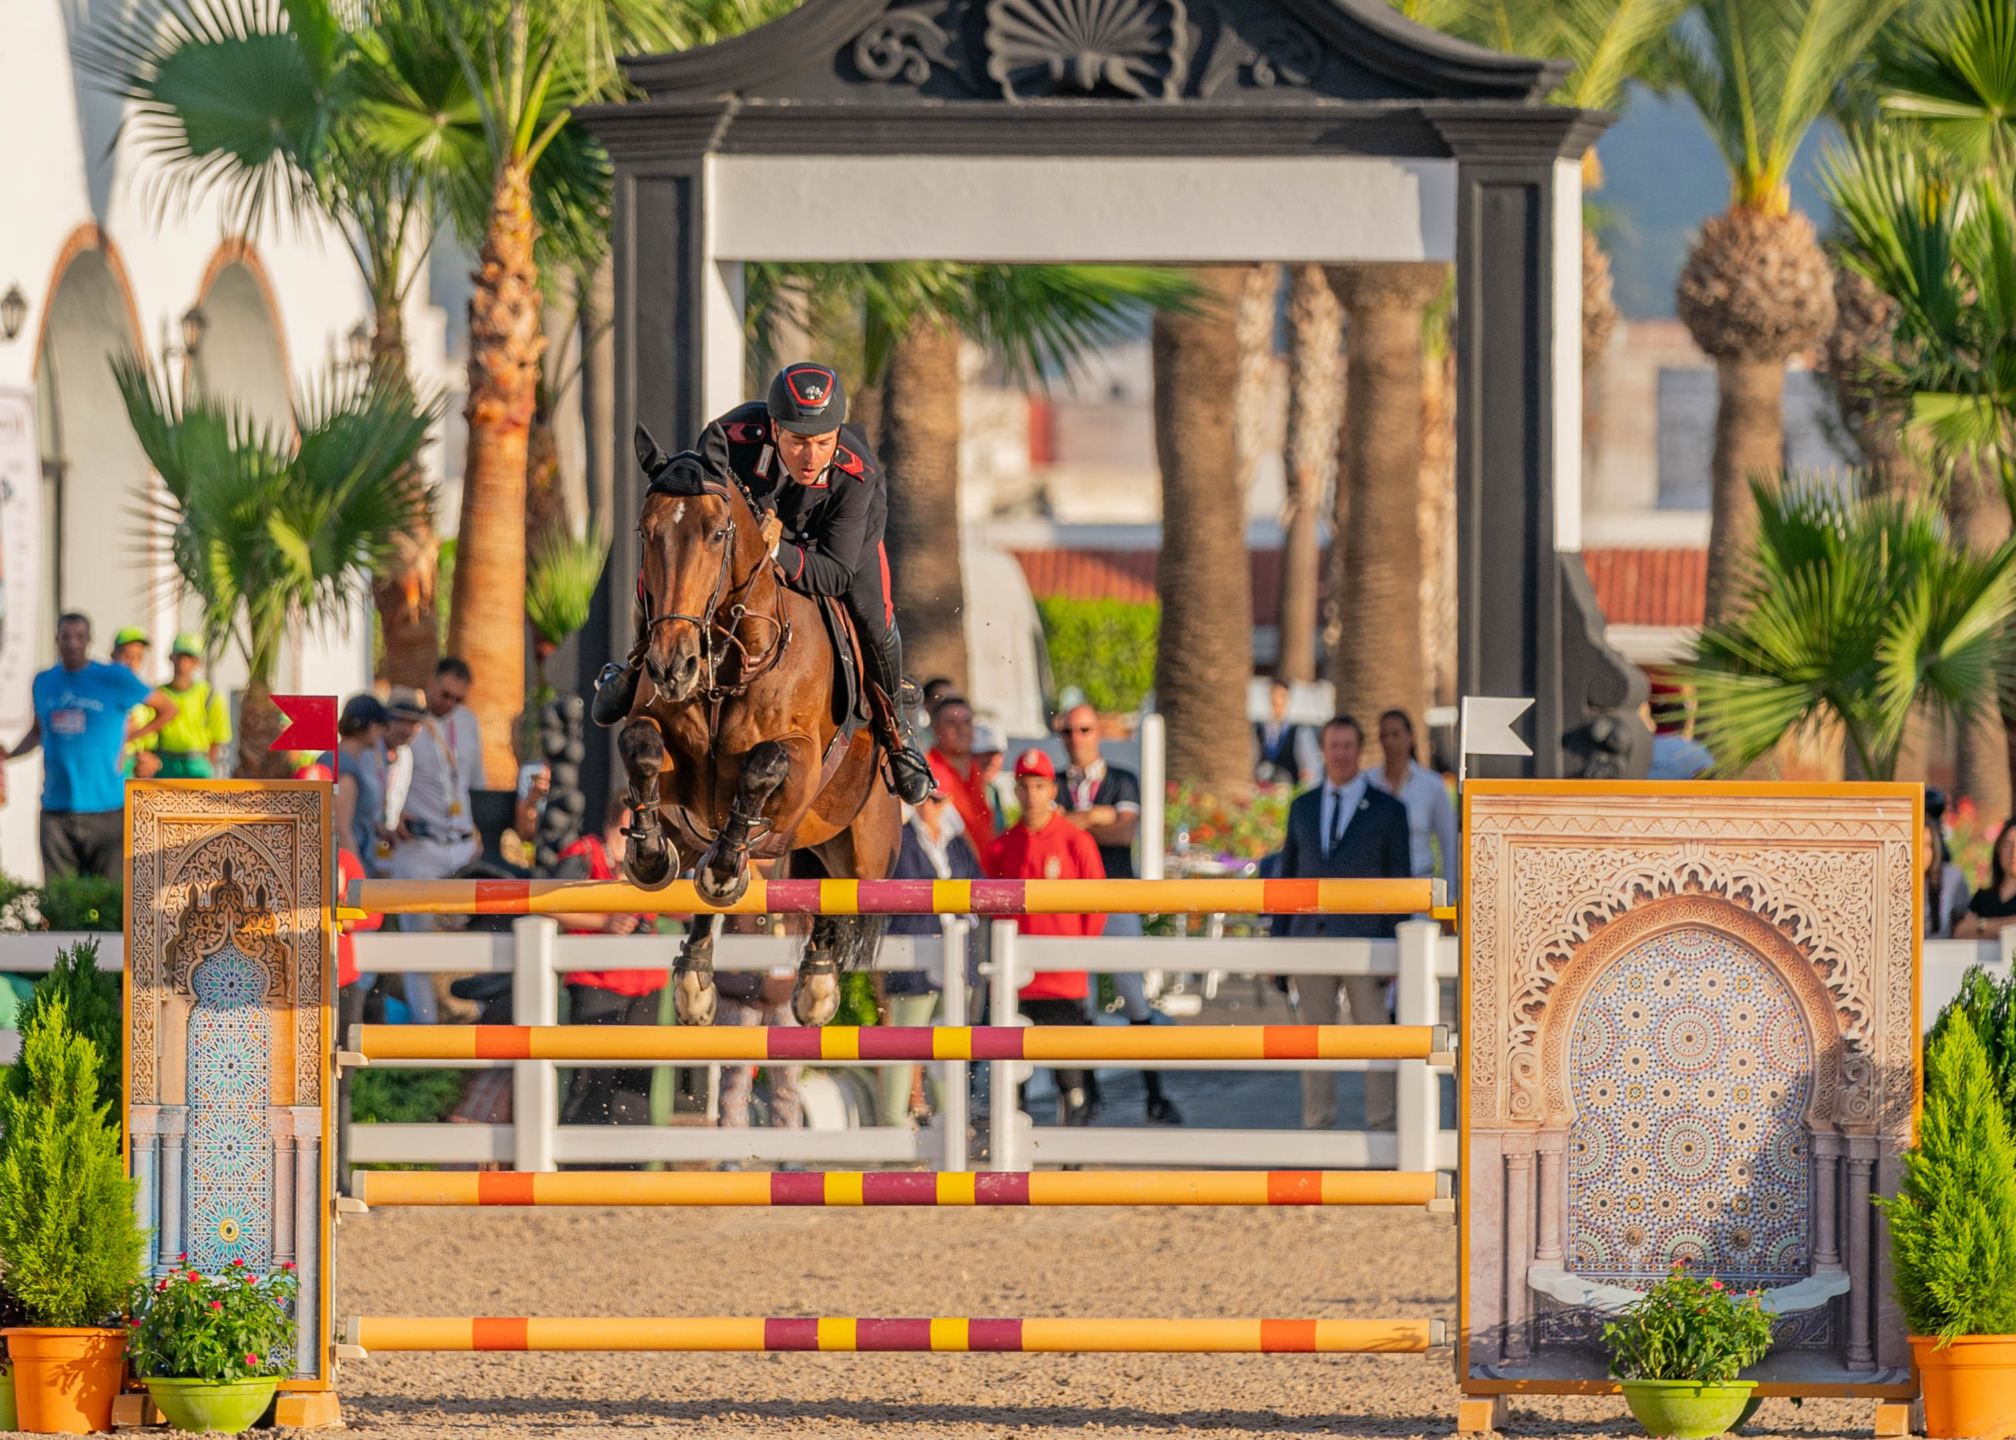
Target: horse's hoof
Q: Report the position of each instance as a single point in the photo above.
(693, 997)
(647, 864)
(815, 999)
(717, 890)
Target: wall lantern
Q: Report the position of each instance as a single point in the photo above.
(360, 344)
(194, 323)
(13, 311)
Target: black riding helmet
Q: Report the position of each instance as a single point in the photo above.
(807, 399)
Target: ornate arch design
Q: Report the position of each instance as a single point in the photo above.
(221, 915)
(1706, 912)
(85, 238)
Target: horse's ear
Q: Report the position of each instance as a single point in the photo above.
(649, 457)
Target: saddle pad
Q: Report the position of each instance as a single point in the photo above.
(850, 698)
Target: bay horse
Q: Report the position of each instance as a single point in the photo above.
(732, 742)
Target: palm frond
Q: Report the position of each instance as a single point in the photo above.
(560, 579)
(1951, 74)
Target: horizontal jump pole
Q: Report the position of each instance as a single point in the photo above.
(851, 1188)
(903, 897)
(1201, 1337)
(895, 1043)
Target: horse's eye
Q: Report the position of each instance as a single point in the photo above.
(721, 534)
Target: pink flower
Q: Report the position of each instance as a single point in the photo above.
(253, 1361)
(194, 1276)
(134, 1322)
(236, 1263)
(216, 1304)
(286, 1264)
(1714, 1284)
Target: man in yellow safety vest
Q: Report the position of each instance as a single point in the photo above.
(192, 744)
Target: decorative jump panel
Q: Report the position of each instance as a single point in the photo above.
(230, 1021)
(1691, 1035)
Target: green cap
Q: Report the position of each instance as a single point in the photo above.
(187, 643)
(128, 635)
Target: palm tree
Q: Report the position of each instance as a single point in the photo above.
(269, 530)
(1756, 288)
(1204, 652)
(1315, 414)
(1033, 321)
(228, 98)
(1859, 612)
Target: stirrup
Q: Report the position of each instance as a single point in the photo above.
(615, 693)
(910, 775)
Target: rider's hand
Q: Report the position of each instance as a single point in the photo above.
(773, 531)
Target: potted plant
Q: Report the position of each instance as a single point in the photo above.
(67, 1237)
(1953, 1243)
(213, 1348)
(1678, 1349)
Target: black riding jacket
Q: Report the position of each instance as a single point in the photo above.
(832, 530)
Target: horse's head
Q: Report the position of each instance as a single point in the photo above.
(693, 530)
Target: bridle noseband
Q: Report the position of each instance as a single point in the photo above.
(753, 666)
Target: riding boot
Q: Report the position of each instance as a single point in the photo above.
(909, 771)
(615, 692)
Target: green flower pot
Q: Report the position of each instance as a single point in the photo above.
(1688, 1409)
(10, 1419)
(228, 1405)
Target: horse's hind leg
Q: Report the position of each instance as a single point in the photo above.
(815, 999)
(649, 859)
(693, 993)
(723, 873)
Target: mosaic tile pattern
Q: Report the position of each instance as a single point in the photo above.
(230, 1152)
(1690, 1071)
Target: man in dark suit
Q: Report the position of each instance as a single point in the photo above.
(1345, 829)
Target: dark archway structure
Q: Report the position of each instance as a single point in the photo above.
(1143, 130)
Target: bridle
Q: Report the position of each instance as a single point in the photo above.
(750, 666)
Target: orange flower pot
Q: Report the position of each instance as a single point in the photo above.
(1969, 1386)
(65, 1380)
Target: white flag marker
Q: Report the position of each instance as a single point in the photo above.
(1486, 729)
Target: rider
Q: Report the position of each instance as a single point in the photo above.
(824, 501)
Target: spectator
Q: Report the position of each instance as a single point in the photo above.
(193, 743)
(1044, 846)
(436, 833)
(934, 848)
(360, 784)
(1105, 802)
(1289, 754)
(1674, 755)
(1431, 817)
(1946, 901)
(952, 758)
(404, 712)
(142, 762)
(1345, 829)
(935, 691)
(990, 746)
(1994, 904)
(81, 723)
(607, 997)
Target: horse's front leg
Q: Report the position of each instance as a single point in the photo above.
(723, 873)
(649, 859)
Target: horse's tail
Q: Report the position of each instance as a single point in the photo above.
(858, 940)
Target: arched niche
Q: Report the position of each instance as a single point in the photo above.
(94, 473)
(242, 359)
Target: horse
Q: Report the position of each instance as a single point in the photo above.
(732, 741)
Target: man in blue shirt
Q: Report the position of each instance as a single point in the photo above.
(82, 726)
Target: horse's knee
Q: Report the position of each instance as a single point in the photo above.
(642, 746)
(766, 766)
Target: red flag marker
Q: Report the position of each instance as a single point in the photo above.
(312, 722)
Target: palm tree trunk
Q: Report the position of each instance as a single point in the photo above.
(487, 620)
(1204, 652)
(1749, 444)
(1315, 409)
(1981, 521)
(259, 725)
(920, 451)
(1438, 513)
(408, 622)
(1377, 663)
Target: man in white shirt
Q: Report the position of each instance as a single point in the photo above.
(437, 829)
(1430, 814)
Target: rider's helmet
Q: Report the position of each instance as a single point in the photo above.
(807, 399)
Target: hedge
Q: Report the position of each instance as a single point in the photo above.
(1104, 647)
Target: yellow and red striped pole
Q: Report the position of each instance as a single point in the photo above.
(849, 1188)
(903, 897)
(897, 1043)
(1219, 1337)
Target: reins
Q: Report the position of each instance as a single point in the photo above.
(750, 666)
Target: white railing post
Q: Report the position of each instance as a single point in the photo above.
(952, 1074)
(1417, 1001)
(1154, 795)
(1005, 1120)
(535, 1000)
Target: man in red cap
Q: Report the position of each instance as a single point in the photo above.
(1043, 845)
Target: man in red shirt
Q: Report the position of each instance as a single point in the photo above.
(960, 771)
(607, 997)
(1043, 845)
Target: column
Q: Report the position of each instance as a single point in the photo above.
(1553, 1151)
(283, 1185)
(1826, 1200)
(1861, 1353)
(1518, 1244)
(308, 1207)
(174, 1175)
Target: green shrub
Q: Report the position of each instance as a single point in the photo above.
(1104, 647)
(67, 1235)
(1989, 1007)
(403, 1097)
(1953, 1223)
(1688, 1327)
(236, 1326)
(90, 998)
(70, 902)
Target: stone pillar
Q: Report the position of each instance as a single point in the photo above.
(1826, 1200)
(1860, 1224)
(1518, 1245)
(174, 1127)
(1376, 566)
(1552, 1150)
(308, 1203)
(282, 1128)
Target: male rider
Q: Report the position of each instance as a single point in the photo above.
(826, 500)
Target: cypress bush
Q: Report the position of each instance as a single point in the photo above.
(1104, 647)
(91, 1000)
(1953, 1223)
(67, 1234)
(1989, 1005)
